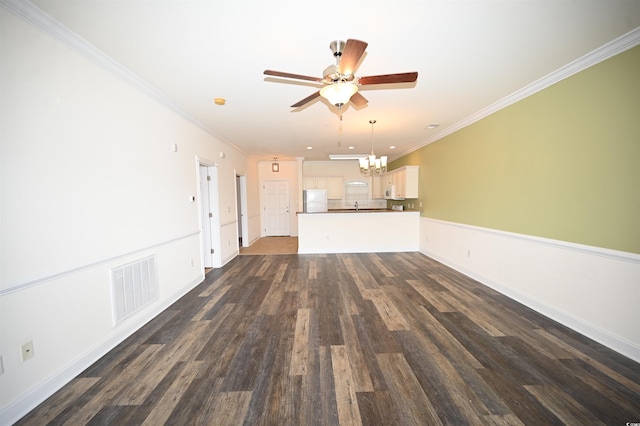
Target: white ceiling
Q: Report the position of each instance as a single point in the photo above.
(469, 55)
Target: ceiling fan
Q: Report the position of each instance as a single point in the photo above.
(340, 85)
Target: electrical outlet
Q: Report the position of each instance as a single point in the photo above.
(27, 350)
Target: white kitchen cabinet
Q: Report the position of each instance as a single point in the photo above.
(401, 183)
(334, 188)
(333, 185)
(378, 185)
(411, 181)
(309, 183)
(315, 183)
(405, 180)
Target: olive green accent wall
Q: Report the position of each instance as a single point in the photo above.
(563, 163)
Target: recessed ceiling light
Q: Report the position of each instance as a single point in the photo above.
(309, 147)
(432, 126)
(219, 101)
(392, 147)
(352, 147)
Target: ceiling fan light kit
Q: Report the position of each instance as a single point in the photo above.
(338, 94)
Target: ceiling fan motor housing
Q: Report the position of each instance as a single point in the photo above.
(337, 47)
(331, 73)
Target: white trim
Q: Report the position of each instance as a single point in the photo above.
(40, 280)
(604, 52)
(586, 249)
(35, 16)
(536, 268)
(28, 401)
(231, 222)
(38, 18)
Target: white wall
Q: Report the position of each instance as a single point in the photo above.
(347, 169)
(592, 290)
(89, 181)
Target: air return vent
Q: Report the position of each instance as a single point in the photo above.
(133, 286)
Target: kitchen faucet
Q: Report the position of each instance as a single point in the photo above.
(356, 206)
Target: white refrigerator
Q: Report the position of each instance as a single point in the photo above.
(314, 200)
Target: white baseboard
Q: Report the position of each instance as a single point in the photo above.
(15, 411)
(591, 290)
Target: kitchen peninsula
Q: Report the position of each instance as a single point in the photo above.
(358, 231)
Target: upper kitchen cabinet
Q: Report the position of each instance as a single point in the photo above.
(405, 180)
(378, 185)
(315, 183)
(333, 185)
(334, 188)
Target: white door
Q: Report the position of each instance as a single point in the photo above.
(276, 208)
(206, 214)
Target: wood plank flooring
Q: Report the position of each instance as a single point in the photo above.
(349, 339)
(272, 245)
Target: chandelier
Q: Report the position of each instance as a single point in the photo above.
(372, 166)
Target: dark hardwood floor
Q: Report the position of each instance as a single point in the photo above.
(375, 339)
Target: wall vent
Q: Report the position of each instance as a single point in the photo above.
(133, 285)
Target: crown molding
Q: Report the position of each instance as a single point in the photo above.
(604, 52)
(38, 18)
(35, 16)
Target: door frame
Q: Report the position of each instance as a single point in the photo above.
(214, 207)
(204, 207)
(243, 215)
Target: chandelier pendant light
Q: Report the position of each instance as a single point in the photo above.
(275, 166)
(372, 166)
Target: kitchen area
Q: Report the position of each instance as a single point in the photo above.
(358, 214)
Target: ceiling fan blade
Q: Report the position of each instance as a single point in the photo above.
(353, 51)
(306, 100)
(358, 100)
(407, 77)
(289, 75)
